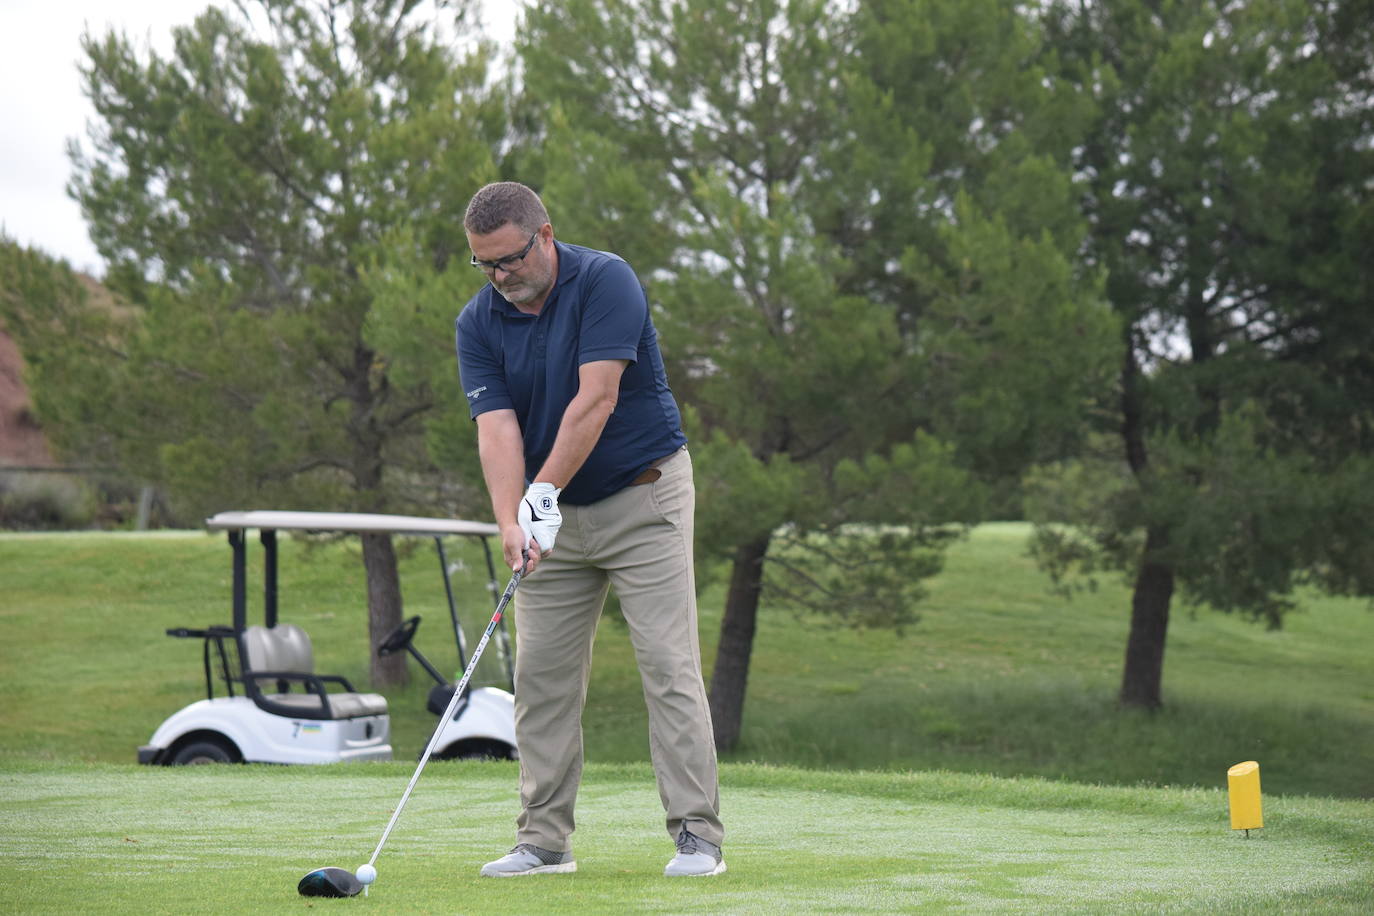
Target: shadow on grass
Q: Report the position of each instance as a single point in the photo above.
(1070, 731)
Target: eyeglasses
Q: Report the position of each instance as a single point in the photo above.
(510, 263)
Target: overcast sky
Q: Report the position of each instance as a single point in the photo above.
(41, 108)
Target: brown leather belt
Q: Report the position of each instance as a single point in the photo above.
(652, 473)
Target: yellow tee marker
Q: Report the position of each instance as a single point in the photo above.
(1243, 783)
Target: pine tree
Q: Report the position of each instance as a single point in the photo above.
(242, 190)
(849, 364)
(1226, 173)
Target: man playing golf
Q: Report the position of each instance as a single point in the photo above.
(581, 443)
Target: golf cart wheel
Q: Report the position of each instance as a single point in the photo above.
(202, 751)
(476, 749)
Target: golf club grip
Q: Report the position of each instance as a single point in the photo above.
(452, 705)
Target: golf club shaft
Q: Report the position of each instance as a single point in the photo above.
(452, 706)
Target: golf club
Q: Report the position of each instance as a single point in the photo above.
(339, 882)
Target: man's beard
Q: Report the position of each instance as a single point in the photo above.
(526, 289)
(518, 293)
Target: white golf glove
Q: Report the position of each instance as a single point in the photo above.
(539, 516)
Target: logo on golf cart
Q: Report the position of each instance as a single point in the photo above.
(308, 728)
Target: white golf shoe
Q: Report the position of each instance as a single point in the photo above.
(695, 858)
(526, 859)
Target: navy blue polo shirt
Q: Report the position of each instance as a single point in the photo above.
(528, 363)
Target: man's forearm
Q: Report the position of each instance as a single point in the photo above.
(501, 452)
(583, 420)
(578, 433)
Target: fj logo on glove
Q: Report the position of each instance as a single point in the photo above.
(539, 516)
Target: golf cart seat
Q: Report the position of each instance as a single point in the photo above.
(277, 658)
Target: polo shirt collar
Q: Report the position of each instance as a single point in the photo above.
(569, 263)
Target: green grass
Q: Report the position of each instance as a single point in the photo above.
(88, 838)
(975, 763)
(1000, 676)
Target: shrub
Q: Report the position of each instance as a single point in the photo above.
(36, 501)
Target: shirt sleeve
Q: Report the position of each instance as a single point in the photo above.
(479, 366)
(614, 311)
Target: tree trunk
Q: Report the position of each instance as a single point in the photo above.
(1154, 583)
(1154, 590)
(368, 397)
(731, 674)
(383, 609)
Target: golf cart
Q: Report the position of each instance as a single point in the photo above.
(276, 709)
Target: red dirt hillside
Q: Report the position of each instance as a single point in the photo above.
(21, 440)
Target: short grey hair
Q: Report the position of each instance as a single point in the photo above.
(503, 202)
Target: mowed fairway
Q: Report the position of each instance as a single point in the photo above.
(111, 839)
(1090, 810)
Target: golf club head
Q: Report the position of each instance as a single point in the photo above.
(330, 882)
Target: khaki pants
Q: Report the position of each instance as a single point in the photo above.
(640, 542)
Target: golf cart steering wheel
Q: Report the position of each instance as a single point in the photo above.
(398, 640)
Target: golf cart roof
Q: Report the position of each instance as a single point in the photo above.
(351, 522)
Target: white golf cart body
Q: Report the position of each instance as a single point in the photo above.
(264, 737)
(262, 719)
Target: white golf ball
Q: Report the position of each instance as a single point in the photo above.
(366, 874)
